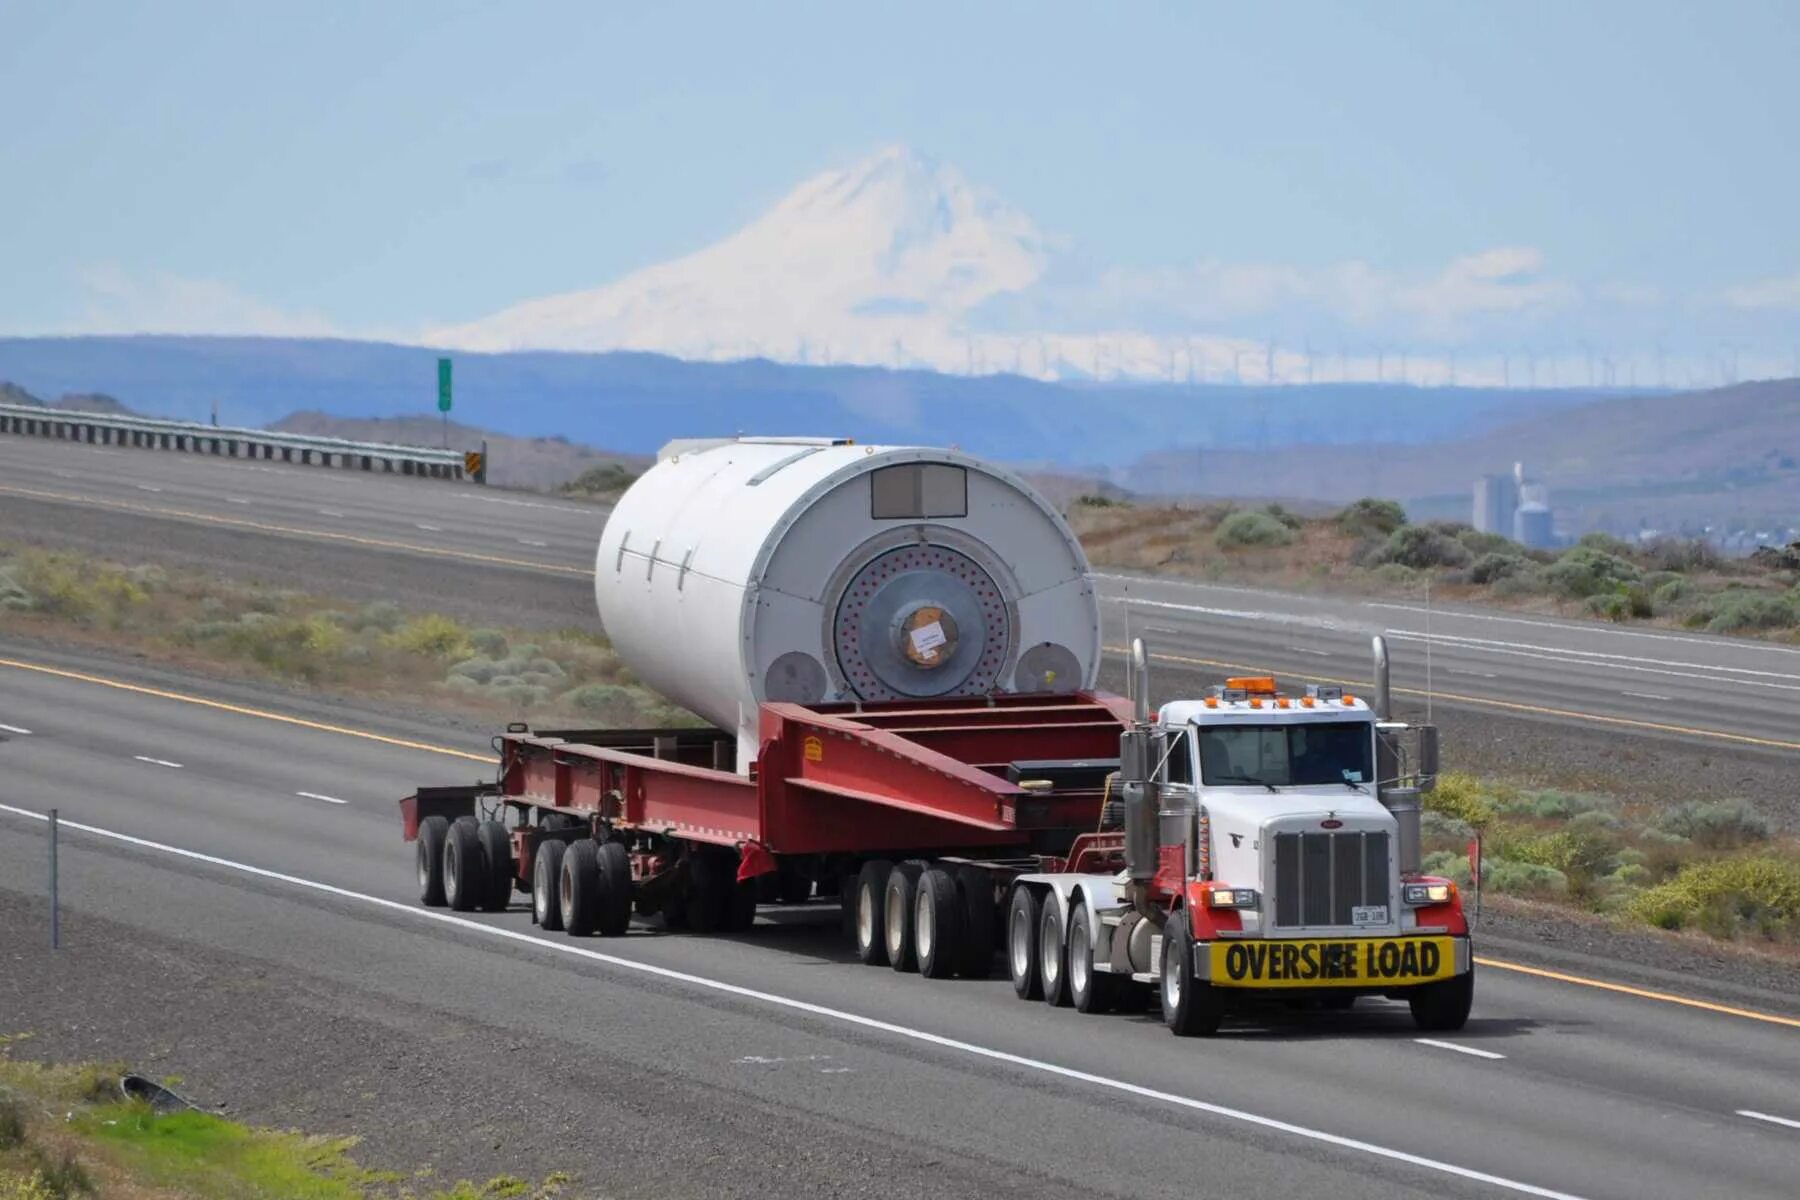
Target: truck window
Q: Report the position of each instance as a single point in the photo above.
(1178, 769)
(1296, 755)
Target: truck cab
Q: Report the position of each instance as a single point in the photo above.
(1271, 847)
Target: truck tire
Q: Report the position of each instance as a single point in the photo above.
(897, 925)
(546, 884)
(975, 888)
(430, 860)
(577, 886)
(1443, 1007)
(711, 882)
(1022, 918)
(868, 918)
(612, 915)
(938, 925)
(1053, 955)
(1090, 990)
(1191, 1007)
(496, 855)
(465, 868)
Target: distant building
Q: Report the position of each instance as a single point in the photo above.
(1496, 501)
(1533, 526)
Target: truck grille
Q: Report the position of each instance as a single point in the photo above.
(1320, 877)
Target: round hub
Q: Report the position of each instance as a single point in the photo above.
(921, 621)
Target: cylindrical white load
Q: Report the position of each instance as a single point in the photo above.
(809, 570)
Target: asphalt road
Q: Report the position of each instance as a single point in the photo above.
(1554, 1087)
(458, 544)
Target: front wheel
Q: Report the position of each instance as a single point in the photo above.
(1191, 1007)
(1443, 1007)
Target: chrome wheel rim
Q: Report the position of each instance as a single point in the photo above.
(1078, 959)
(923, 932)
(1050, 953)
(1171, 978)
(896, 926)
(865, 916)
(1020, 943)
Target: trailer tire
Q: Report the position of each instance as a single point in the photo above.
(939, 935)
(430, 860)
(1053, 955)
(465, 868)
(496, 854)
(1022, 918)
(711, 881)
(975, 889)
(1090, 989)
(1443, 1007)
(577, 885)
(868, 916)
(612, 915)
(546, 884)
(1191, 1007)
(897, 926)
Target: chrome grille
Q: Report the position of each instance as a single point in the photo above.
(1320, 877)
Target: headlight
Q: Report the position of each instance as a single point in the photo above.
(1222, 897)
(1429, 893)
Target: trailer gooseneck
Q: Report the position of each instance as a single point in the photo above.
(897, 649)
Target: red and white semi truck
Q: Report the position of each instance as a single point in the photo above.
(896, 649)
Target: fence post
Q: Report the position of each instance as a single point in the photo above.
(55, 915)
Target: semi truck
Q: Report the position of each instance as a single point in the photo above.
(895, 652)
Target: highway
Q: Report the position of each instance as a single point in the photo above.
(221, 816)
(406, 538)
(1552, 1089)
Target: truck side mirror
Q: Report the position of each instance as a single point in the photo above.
(1428, 757)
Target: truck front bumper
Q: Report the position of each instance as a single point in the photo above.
(1370, 963)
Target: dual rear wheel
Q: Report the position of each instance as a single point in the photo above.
(464, 864)
(936, 919)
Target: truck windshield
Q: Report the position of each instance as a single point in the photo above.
(1286, 755)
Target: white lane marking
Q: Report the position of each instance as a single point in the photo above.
(238, 500)
(1459, 1049)
(428, 528)
(1610, 662)
(1762, 1116)
(532, 542)
(1234, 613)
(831, 1014)
(148, 487)
(330, 512)
(63, 474)
(1716, 643)
(1646, 695)
(1476, 674)
(158, 762)
(571, 507)
(15, 729)
(317, 796)
(1307, 650)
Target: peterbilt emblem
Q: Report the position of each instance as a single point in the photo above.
(1331, 823)
(1237, 839)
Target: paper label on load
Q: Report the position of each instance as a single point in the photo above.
(927, 638)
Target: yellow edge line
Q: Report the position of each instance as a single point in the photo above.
(1665, 997)
(241, 711)
(263, 527)
(139, 689)
(1490, 702)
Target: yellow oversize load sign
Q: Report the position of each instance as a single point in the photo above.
(1347, 962)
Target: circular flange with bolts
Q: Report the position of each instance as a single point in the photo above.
(921, 620)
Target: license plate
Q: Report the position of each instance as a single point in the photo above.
(1340, 962)
(1368, 914)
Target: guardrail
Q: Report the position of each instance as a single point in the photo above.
(106, 429)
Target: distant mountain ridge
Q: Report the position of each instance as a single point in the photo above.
(633, 403)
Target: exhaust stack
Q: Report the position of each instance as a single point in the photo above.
(1400, 789)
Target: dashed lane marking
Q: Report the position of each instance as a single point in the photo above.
(157, 762)
(836, 1015)
(15, 729)
(1469, 1050)
(317, 796)
(1763, 1116)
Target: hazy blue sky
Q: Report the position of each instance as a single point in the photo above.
(378, 167)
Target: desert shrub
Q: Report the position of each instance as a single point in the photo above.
(1717, 825)
(1585, 571)
(1579, 853)
(1096, 500)
(1460, 795)
(12, 1124)
(1670, 593)
(1623, 604)
(1369, 517)
(1551, 804)
(1436, 826)
(1727, 897)
(490, 642)
(432, 634)
(1495, 566)
(1252, 529)
(1605, 543)
(1682, 555)
(1478, 543)
(1523, 879)
(603, 699)
(1395, 575)
(12, 593)
(1735, 614)
(1421, 547)
(1449, 864)
(1527, 581)
(1281, 514)
(474, 670)
(381, 615)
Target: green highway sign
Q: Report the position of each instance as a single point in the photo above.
(443, 385)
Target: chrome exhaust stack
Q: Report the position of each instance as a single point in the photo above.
(1401, 781)
(1140, 755)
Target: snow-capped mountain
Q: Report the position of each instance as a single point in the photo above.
(885, 263)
